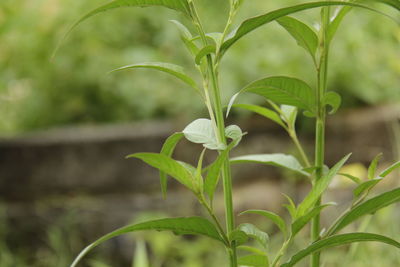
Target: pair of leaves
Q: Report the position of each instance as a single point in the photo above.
(182, 226)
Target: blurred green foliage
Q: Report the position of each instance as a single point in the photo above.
(37, 92)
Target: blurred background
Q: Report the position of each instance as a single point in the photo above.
(66, 126)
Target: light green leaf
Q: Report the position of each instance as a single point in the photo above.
(255, 233)
(235, 133)
(320, 186)
(270, 215)
(339, 240)
(185, 33)
(140, 257)
(167, 150)
(169, 166)
(304, 35)
(366, 186)
(279, 160)
(300, 222)
(391, 168)
(186, 38)
(289, 114)
(255, 260)
(340, 13)
(392, 3)
(372, 167)
(284, 90)
(332, 99)
(201, 131)
(186, 225)
(252, 250)
(370, 206)
(169, 68)
(207, 50)
(291, 207)
(351, 177)
(265, 112)
(231, 101)
(238, 236)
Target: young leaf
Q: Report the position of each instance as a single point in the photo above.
(335, 22)
(207, 50)
(231, 101)
(255, 233)
(366, 186)
(272, 216)
(332, 99)
(255, 260)
(370, 206)
(169, 68)
(320, 186)
(167, 165)
(289, 114)
(201, 131)
(278, 160)
(265, 112)
(238, 236)
(235, 133)
(284, 90)
(372, 167)
(338, 240)
(186, 225)
(304, 35)
(167, 150)
(299, 223)
(391, 168)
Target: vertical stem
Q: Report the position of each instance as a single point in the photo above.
(322, 72)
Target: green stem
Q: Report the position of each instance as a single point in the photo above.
(322, 72)
(281, 252)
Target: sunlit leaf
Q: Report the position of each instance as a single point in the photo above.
(255, 260)
(271, 216)
(339, 240)
(370, 206)
(304, 35)
(265, 112)
(289, 114)
(167, 150)
(278, 160)
(340, 14)
(333, 100)
(186, 225)
(392, 3)
(201, 131)
(255, 233)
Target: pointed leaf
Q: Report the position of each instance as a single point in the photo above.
(167, 150)
(278, 160)
(252, 250)
(255, 260)
(265, 112)
(272, 216)
(339, 240)
(320, 186)
(366, 186)
(231, 101)
(207, 50)
(165, 164)
(255, 233)
(289, 114)
(333, 100)
(172, 69)
(284, 90)
(291, 207)
(186, 225)
(201, 131)
(372, 167)
(390, 169)
(351, 177)
(186, 38)
(304, 35)
(370, 206)
(341, 12)
(140, 256)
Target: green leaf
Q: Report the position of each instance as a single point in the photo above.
(289, 114)
(186, 37)
(299, 223)
(392, 3)
(372, 167)
(284, 90)
(265, 112)
(231, 101)
(252, 250)
(304, 35)
(211, 180)
(279, 160)
(255, 233)
(201, 131)
(235, 133)
(167, 150)
(341, 12)
(291, 207)
(332, 99)
(351, 177)
(185, 225)
(338, 240)
(169, 68)
(238, 236)
(169, 166)
(255, 260)
(387, 171)
(207, 50)
(370, 206)
(320, 186)
(270, 215)
(366, 186)
(251, 24)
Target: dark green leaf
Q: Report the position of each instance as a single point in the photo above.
(333, 100)
(339, 240)
(320, 186)
(255, 260)
(284, 90)
(187, 225)
(255, 233)
(207, 50)
(390, 169)
(169, 166)
(167, 150)
(304, 35)
(272, 216)
(278, 160)
(370, 206)
(265, 112)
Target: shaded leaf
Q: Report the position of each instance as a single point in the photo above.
(372, 167)
(339, 240)
(238, 236)
(340, 13)
(255, 260)
(278, 160)
(304, 35)
(255, 233)
(366, 186)
(271, 216)
(235, 133)
(265, 112)
(231, 101)
(186, 225)
(351, 177)
(291, 207)
(186, 38)
(167, 150)
(370, 206)
(333, 100)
